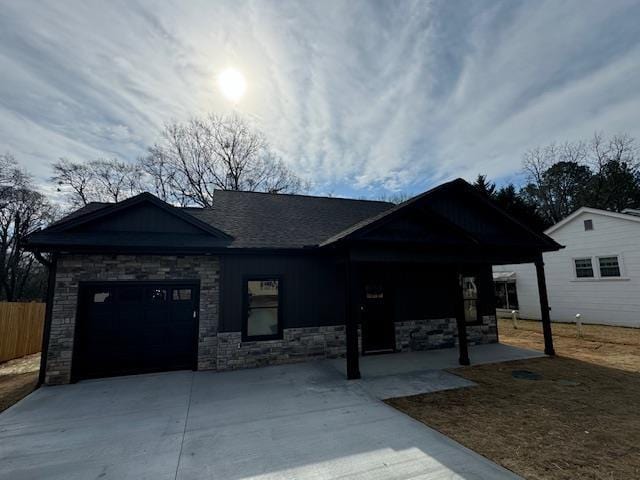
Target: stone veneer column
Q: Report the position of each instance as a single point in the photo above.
(73, 269)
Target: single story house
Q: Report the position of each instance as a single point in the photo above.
(258, 279)
(597, 275)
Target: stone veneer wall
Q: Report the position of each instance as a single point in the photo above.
(72, 269)
(300, 344)
(442, 333)
(297, 344)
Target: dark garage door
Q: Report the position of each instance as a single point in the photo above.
(128, 328)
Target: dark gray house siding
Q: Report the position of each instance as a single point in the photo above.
(310, 293)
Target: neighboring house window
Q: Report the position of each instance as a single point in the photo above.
(609, 266)
(506, 295)
(588, 225)
(470, 298)
(584, 268)
(262, 309)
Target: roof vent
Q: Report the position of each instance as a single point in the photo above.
(588, 225)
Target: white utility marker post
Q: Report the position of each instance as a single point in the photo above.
(514, 318)
(579, 324)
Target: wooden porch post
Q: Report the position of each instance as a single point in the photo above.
(463, 347)
(544, 306)
(351, 324)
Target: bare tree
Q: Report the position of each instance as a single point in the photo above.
(557, 178)
(98, 180)
(215, 152)
(616, 166)
(10, 175)
(158, 176)
(22, 210)
(397, 197)
(115, 180)
(77, 179)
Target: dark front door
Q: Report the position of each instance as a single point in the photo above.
(378, 331)
(129, 328)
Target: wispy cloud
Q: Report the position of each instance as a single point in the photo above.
(358, 96)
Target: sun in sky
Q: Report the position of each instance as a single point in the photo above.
(232, 84)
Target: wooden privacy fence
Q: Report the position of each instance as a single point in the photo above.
(21, 327)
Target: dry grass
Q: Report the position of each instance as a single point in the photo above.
(18, 378)
(580, 420)
(617, 347)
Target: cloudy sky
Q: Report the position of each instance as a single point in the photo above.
(360, 97)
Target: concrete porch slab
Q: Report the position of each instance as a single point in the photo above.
(411, 373)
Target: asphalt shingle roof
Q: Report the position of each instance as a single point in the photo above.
(254, 220)
(281, 221)
(263, 220)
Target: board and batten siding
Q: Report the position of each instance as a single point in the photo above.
(313, 290)
(610, 301)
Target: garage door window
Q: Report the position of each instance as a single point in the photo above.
(102, 296)
(262, 309)
(181, 294)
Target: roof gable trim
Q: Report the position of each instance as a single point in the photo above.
(386, 216)
(130, 202)
(593, 211)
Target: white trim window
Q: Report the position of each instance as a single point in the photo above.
(609, 266)
(583, 267)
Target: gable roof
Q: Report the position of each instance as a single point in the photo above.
(143, 222)
(456, 187)
(594, 211)
(253, 220)
(94, 212)
(266, 220)
(241, 219)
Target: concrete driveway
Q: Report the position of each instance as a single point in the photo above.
(294, 421)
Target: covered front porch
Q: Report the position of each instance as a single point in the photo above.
(430, 259)
(441, 322)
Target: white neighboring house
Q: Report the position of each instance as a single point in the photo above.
(597, 274)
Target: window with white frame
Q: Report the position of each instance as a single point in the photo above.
(584, 267)
(609, 266)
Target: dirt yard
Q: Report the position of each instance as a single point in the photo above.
(573, 416)
(18, 378)
(617, 347)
